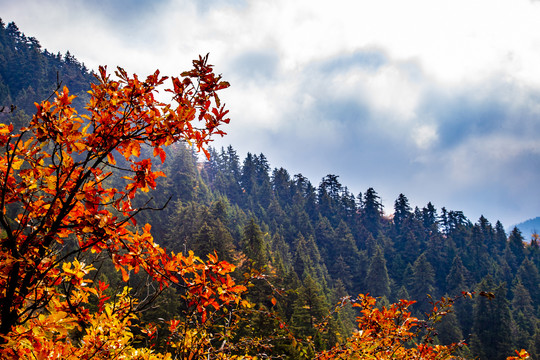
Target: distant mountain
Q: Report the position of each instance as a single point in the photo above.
(529, 227)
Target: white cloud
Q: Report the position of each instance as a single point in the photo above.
(424, 136)
(408, 98)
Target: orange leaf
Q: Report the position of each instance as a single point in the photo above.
(111, 159)
(125, 275)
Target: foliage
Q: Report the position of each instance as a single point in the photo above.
(387, 332)
(70, 209)
(59, 212)
(391, 332)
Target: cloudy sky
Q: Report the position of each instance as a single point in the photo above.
(438, 100)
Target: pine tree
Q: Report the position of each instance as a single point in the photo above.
(421, 284)
(440, 252)
(372, 211)
(262, 180)
(328, 198)
(457, 281)
(458, 278)
(281, 185)
(535, 344)
(499, 237)
(377, 280)
(184, 177)
(343, 246)
(310, 308)
(254, 245)
(477, 257)
(517, 247)
(305, 194)
(492, 323)
(449, 330)
(524, 316)
(325, 236)
(402, 210)
(529, 276)
(402, 293)
(429, 217)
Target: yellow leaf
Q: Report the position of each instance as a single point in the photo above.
(136, 150)
(80, 146)
(86, 128)
(4, 129)
(17, 163)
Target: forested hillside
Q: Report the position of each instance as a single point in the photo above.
(324, 241)
(30, 74)
(310, 245)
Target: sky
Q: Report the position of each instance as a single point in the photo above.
(438, 100)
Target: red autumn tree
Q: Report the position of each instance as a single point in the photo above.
(390, 332)
(56, 206)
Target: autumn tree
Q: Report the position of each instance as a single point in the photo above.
(58, 211)
(391, 332)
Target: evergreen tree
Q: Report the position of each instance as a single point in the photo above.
(325, 236)
(281, 185)
(402, 293)
(449, 330)
(421, 284)
(328, 198)
(458, 278)
(184, 177)
(372, 211)
(477, 257)
(457, 281)
(248, 179)
(492, 323)
(535, 344)
(348, 206)
(534, 250)
(232, 169)
(306, 259)
(254, 245)
(262, 179)
(499, 237)
(524, 316)
(440, 252)
(310, 308)
(209, 240)
(377, 280)
(224, 173)
(517, 248)
(429, 217)
(529, 276)
(343, 246)
(402, 210)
